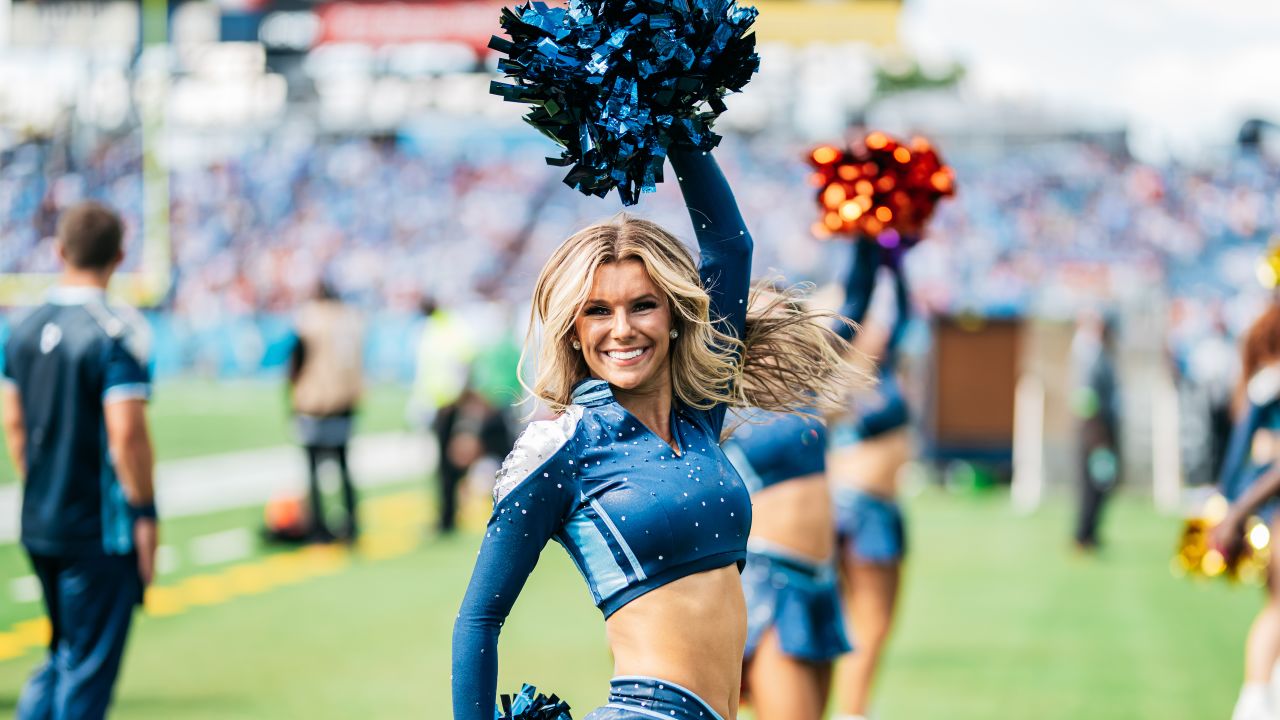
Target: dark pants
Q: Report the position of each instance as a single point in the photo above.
(451, 475)
(473, 416)
(1097, 480)
(316, 455)
(1220, 425)
(90, 603)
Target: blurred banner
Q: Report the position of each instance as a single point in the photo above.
(472, 22)
(874, 22)
(388, 23)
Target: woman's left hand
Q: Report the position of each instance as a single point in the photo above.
(1227, 537)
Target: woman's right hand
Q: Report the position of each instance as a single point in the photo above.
(1227, 537)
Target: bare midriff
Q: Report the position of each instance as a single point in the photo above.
(690, 632)
(795, 515)
(871, 465)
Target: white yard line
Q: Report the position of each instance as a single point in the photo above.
(222, 547)
(196, 486)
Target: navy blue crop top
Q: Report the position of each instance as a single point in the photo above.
(772, 447)
(631, 513)
(1239, 468)
(878, 409)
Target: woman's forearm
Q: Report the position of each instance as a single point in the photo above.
(1262, 490)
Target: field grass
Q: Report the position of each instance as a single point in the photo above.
(193, 417)
(999, 620)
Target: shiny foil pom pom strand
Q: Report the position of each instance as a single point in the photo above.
(529, 704)
(618, 83)
(880, 187)
(1196, 557)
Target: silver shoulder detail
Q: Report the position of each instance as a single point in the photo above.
(1264, 386)
(123, 323)
(539, 441)
(138, 339)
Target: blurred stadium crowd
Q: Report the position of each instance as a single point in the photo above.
(1037, 230)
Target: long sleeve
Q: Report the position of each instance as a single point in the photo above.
(534, 499)
(725, 244)
(1230, 478)
(722, 236)
(859, 284)
(902, 318)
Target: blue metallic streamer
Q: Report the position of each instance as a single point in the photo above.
(616, 83)
(529, 704)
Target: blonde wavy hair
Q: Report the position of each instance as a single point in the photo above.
(788, 360)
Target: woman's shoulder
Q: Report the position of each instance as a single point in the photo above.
(1264, 387)
(542, 443)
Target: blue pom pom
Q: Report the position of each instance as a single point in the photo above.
(529, 704)
(618, 82)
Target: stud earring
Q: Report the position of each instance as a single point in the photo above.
(576, 345)
(674, 333)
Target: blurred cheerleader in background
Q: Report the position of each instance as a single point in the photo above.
(879, 192)
(1251, 481)
(795, 628)
(867, 448)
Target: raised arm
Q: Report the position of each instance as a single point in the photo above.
(723, 240)
(902, 318)
(859, 284)
(532, 505)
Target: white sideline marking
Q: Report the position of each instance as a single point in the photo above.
(197, 486)
(221, 547)
(25, 589)
(166, 559)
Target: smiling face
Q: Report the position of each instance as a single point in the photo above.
(625, 329)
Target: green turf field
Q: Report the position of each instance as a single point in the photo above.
(999, 620)
(192, 417)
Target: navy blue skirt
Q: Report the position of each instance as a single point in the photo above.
(799, 600)
(870, 528)
(645, 698)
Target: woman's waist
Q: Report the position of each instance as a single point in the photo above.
(800, 520)
(872, 467)
(764, 556)
(691, 633)
(691, 629)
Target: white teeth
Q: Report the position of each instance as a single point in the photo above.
(616, 355)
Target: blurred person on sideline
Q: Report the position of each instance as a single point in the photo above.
(76, 382)
(446, 350)
(867, 448)
(1095, 403)
(325, 386)
(480, 423)
(1250, 480)
(469, 429)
